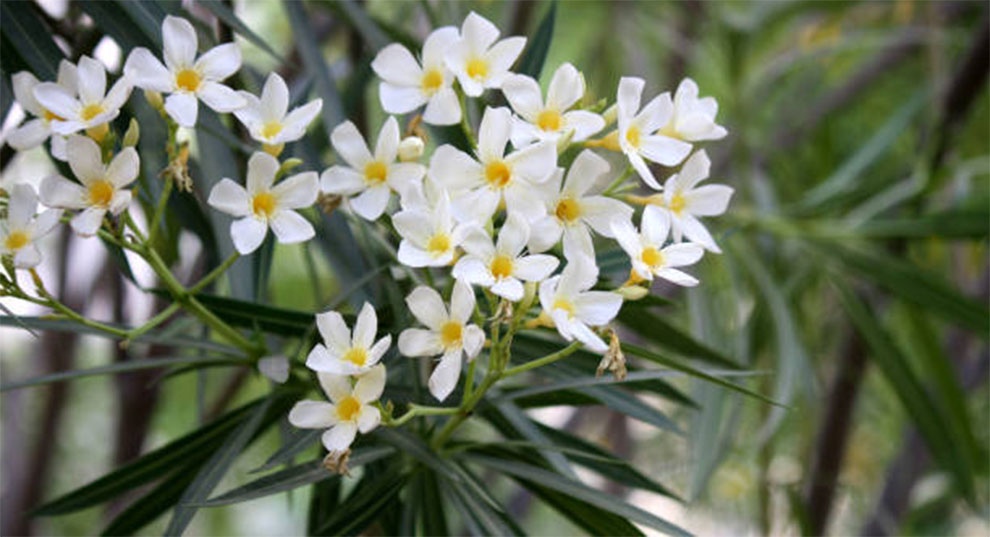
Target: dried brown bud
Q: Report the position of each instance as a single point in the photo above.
(336, 462)
(328, 203)
(613, 360)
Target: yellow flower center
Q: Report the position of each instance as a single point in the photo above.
(651, 256)
(549, 120)
(271, 129)
(633, 136)
(48, 115)
(375, 172)
(564, 304)
(450, 334)
(568, 210)
(501, 267)
(477, 68)
(16, 240)
(348, 408)
(439, 244)
(432, 81)
(677, 203)
(356, 356)
(263, 204)
(100, 193)
(188, 80)
(90, 111)
(498, 174)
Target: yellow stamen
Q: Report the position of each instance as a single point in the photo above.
(450, 334)
(348, 408)
(375, 172)
(477, 68)
(633, 136)
(501, 267)
(568, 210)
(652, 257)
(549, 120)
(677, 203)
(100, 193)
(498, 174)
(16, 240)
(90, 111)
(188, 80)
(439, 244)
(564, 304)
(356, 356)
(271, 129)
(432, 81)
(263, 204)
(47, 115)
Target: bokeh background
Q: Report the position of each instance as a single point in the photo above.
(858, 149)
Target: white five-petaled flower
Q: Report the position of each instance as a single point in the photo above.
(693, 119)
(102, 189)
(371, 177)
(477, 188)
(500, 266)
(263, 204)
(430, 236)
(21, 228)
(637, 128)
(447, 333)
(185, 76)
(550, 119)
(574, 309)
(268, 119)
(406, 85)
(349, 411)
(93, 106)
(345, 353)
(571, 211)
(647, 253)
(477, 60)
(35, 131)
(685, 202)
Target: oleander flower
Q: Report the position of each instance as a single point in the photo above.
(693, 119)
(268, 119)
(343, 353)
(447, 332)
(647, 253)
(573, 308)
(684, 201)
(101, 188)
(572, 212)
(478, 186)
(34, 132)
(637, 130)
(264, 204)
(91, 105)
(21, 229)
(351, 408)
(407, 85)
(369, 179)
(501, 267)
(477, 60)
(430, 235)
(550, 119)
(186, 77)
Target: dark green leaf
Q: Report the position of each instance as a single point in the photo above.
(156, 501)
(228, 17)
(956, 224)
(23, 29)
(657, 330)
(371, 495)
(358, 18)
(309, 49)
(296, 443)
(536, 50)
(406, 442)
(431, 504)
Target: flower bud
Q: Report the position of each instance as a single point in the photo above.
(632, 292)
(133, 134)
(411, 148)
(288, 166)
(611, 114)
(154, 99)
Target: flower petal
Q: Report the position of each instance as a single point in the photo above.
(544, 234)
(368, 419)
(183, 108)
(655, 225)
(180, 43)
(509, 288)
(124, 168)
(291, 227)
(445, 375)
(365, 327)
(334, 331)
(85, 159)
(474, 271)
(585, 171)
(478, 33)
(628, 96)
(89, 221)
(24, 83)
(230, 197)
(501, 57)
(437, 44)
(29, 135)
(401, 99)
(427, 306)
(27, 257)
(274, 99)
(583, 123)
(261, 171)
(147, 72)
(45, 222)
(472, 340)
(462, 302)
(599, 211)
(379, 349)
(513, 236)
(566, 88)
(369, 386)
(535, 268)
(695, 231)
(220, 62)
(597, 307)
(416, 342)
(396, 65)
(677, 276)
(683, 254)
(341, 180)
(523, 94)
(295, 124)
(339, 437)
(57, 191)
(695, 170)
(387, 145)
(248, 233)
(534, 162)
(493, 134)
(708, 200)
(57, 99)
(313, 415)
(350, 145)
(443, 108)
(371, 203)
(454, 169)
(92, 80)
(297, 191)
(336, 387)
(220, 97)
(664, 150)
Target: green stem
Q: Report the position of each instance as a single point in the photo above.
(539, 362)
(214, 274)
(465, 126)
(53, 303)
(154, 321)
(159, 210)
(469, 385)
(618, 181)
(418, 410)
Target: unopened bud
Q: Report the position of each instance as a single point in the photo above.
(290, 164)
(411, 148)
(154, 99)
(611, 114)
(133, 134)
(632, 292)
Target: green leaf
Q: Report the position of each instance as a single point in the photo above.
(370, 496)
(298, 441)
(964, 223)
(358, 18)
(156, 501)
(228, 17)
(595, 520)
(406, 442)
(431, 504)
(576, 490)
(309, 49)
(480, 517)
(25, 31)
(657, 330)
(536, 50)
(119, 25)
(250, 315)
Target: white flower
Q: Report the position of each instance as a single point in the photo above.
(566, 300)
(184, 76)
(635, 128)
(477, 60)
(499, 266)
(372, 177)
(693, 119)
(276, 368)
(430, 236)
(94, 105)
(550, 120)
(21, 228)
(102, 187)
(647, 253)
(571, 211)
(477, 188)
(268, 119)
(685, 202)
(35, 131)
(346, 353)
(406, 86)
(447, 333)
(349, 411)
(261, 205)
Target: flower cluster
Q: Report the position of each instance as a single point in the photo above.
(513, 217)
